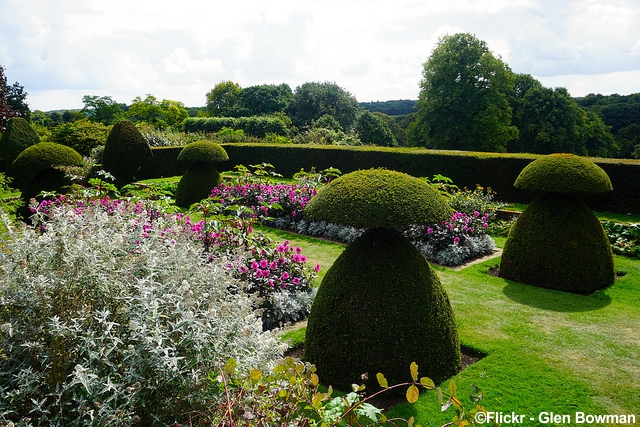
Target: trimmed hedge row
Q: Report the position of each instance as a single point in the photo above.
(466, 169)
(256, 126)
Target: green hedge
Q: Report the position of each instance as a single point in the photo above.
(466, 169)
(257, 126)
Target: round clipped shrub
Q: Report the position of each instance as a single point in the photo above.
(557, 242)
(201, 176)
(378, 198)
(563, 173)
(17, 136)
(380, 306)
(40, 157)
(127, 155)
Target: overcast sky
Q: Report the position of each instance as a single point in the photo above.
(61, 50)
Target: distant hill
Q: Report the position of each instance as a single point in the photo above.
(399, 107)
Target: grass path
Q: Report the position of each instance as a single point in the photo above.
(547, 351)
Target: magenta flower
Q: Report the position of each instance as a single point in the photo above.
(296, 280)
(264, 263)
(456, 240)
(317, 268)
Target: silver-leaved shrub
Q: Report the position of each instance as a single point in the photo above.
(111, 316)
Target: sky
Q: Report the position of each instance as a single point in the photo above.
(61, 50)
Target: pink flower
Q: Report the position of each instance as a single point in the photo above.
(255, 265)
(298, 250)
(456, 240)
(296, 280)
(284, 276)
(429, 230)
(317, 268)
(264, 263)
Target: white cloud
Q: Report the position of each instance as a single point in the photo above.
(375, 49)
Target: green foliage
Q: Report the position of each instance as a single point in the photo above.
(558, 243)
(202, 151)
(463, 103)
(82, 135)
(617, 111)
(326, 136)
(265, 99)
(224, 99)
(563, 173)
(159, 114)
(292, 395)
(624, 238)
(381, 306)
(103, 109)
(313, 100)
(378, 198)
(43, 156)
(373, 130)
(127, 155)
(255, 126)
(196, 184)
(16, 137)
(43, 185)
(398, 107)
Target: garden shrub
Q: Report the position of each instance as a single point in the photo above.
(201, 176)
(17, 136)
(127, 155)
(113, 317)
(49, 180)
(380, 305)
(557, 242)
(42, 156)
(82, 135)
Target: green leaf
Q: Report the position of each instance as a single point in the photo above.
(440, 397)
(410, 422)
(452, 388)
(230, 366)
(414, 371)
(256, 374)
(369, 411)
(382, 380)
(427, 382)
(412, 394)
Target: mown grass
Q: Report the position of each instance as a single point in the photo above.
(547, 351)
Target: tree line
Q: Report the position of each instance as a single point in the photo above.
(469, 100)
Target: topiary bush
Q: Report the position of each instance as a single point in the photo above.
(380, 305)
(127, 155)
(17, 136)
(40, 157)
(200, 177)
(557, 242)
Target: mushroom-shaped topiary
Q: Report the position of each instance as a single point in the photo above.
(35, 171)
(380, 306)
(200, 177)
(557, 242)
(127, 155)
(17, 136)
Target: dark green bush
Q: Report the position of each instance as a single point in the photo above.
(380, 307)
(17, 136)
(196, 184)
(40, 157)
(256, 126)
(127, 155)
(558, 243)
(563, 173)
(81, 135)
(47, 180)
(378, 198)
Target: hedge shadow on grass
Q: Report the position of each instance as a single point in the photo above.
(552, 300)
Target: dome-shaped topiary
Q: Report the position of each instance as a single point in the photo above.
(558, 243)
(196, 184)
(127, 155)
(17, 136)
(380, 306)
(372, 315)
(200, 177)
(202, 151)
(43, 156)
(563, 173)
(378, 198)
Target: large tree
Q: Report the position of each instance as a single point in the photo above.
(103, 109)
(265, 99)
(463, 101)
(313, 100)
(6, 112)
(224, 100)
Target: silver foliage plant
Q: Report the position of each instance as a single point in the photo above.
(116, 318)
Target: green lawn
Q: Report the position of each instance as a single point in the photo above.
(547, 351)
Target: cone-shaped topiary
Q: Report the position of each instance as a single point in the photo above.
(557, 242)
(200, 177)
(40, 157)
(380, 306)
(17, 136)
(127, 155)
